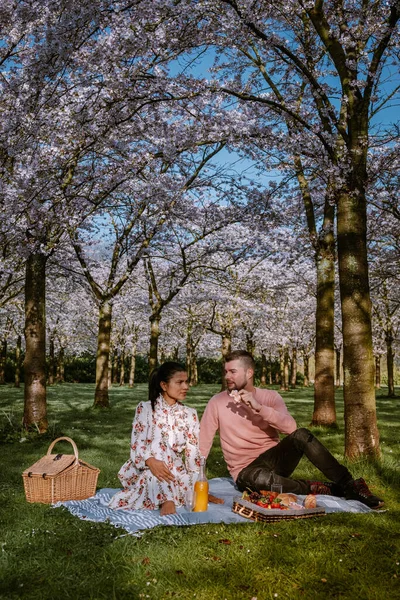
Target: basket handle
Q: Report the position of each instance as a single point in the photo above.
(74, 446)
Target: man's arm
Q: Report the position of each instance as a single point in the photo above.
(276, 415)
(209, 426)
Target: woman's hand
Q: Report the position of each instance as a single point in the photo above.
(159, 469)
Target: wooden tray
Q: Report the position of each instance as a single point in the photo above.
(269, 515)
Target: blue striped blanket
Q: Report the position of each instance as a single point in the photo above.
(134, 521)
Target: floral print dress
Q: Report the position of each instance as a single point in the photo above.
(169, 433)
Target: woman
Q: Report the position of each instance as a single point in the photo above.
(165, 459)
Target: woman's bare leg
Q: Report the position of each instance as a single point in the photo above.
(167, 508)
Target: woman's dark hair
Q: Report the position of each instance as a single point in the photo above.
(164, 373)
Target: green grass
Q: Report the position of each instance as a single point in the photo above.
(48, 554)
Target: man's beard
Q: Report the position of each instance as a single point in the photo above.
(241, 386)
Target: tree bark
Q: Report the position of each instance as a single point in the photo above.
(293, 374)
(226, 347)
(122, 369)
(35, 404)
(50, 378)
(109, 382)
(390, 362)
(361, 431)
(270, 370)
(263, 379)
(154, 337)
(189, 351)
(132, 367)
(60, 366)
(324, 384)
(324, 260)
(378, 371)
(115, 367)
(17, 380)
(3, 358)
(194, 379)
(286, 369)
(101, 398)
(250, 343)
(282, 368)
(338, 381)
(306, 362)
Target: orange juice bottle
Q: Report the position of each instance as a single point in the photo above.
(201, 489)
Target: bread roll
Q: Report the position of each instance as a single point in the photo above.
(286, 499)
(310, 501)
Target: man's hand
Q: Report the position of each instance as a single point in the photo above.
(249, 400)
(159, 469)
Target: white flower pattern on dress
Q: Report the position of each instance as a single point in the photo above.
(169, 433)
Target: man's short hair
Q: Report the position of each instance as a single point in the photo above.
(245, 357)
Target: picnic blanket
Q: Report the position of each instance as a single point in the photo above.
(134, 521)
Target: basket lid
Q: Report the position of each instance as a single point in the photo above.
(51, 464)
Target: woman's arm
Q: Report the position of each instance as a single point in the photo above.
(192, 452)
(141, 435)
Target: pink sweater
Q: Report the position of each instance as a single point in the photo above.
(244, 434)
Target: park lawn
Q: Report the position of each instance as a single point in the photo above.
(48, 554)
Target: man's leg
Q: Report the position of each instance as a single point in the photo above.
(278, 463)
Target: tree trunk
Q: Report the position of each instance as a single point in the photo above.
(324, 382)
(324, 259)
(338, 368)
(378, 371)
(270, 371)
(132, 367)
(226, 347)
(3, 358)
(101, 399)
(154, 337)
(194, 380)
(189, 351)
(306, 362)
(282, 368)
(390, 363)
(17, 380)
(60, 366)
(293, 375)
(250, 343)
(50, 379)
(286, 369)
(263, 379)
(361, 431)
(122, 369)
(35, 405)
(115, 367)
(109, 382)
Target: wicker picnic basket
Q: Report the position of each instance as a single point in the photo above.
(60, 477)
(257, 513)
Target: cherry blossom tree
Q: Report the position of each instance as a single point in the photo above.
(76, 81)
(355, 43)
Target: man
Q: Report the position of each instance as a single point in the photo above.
(249, 421)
